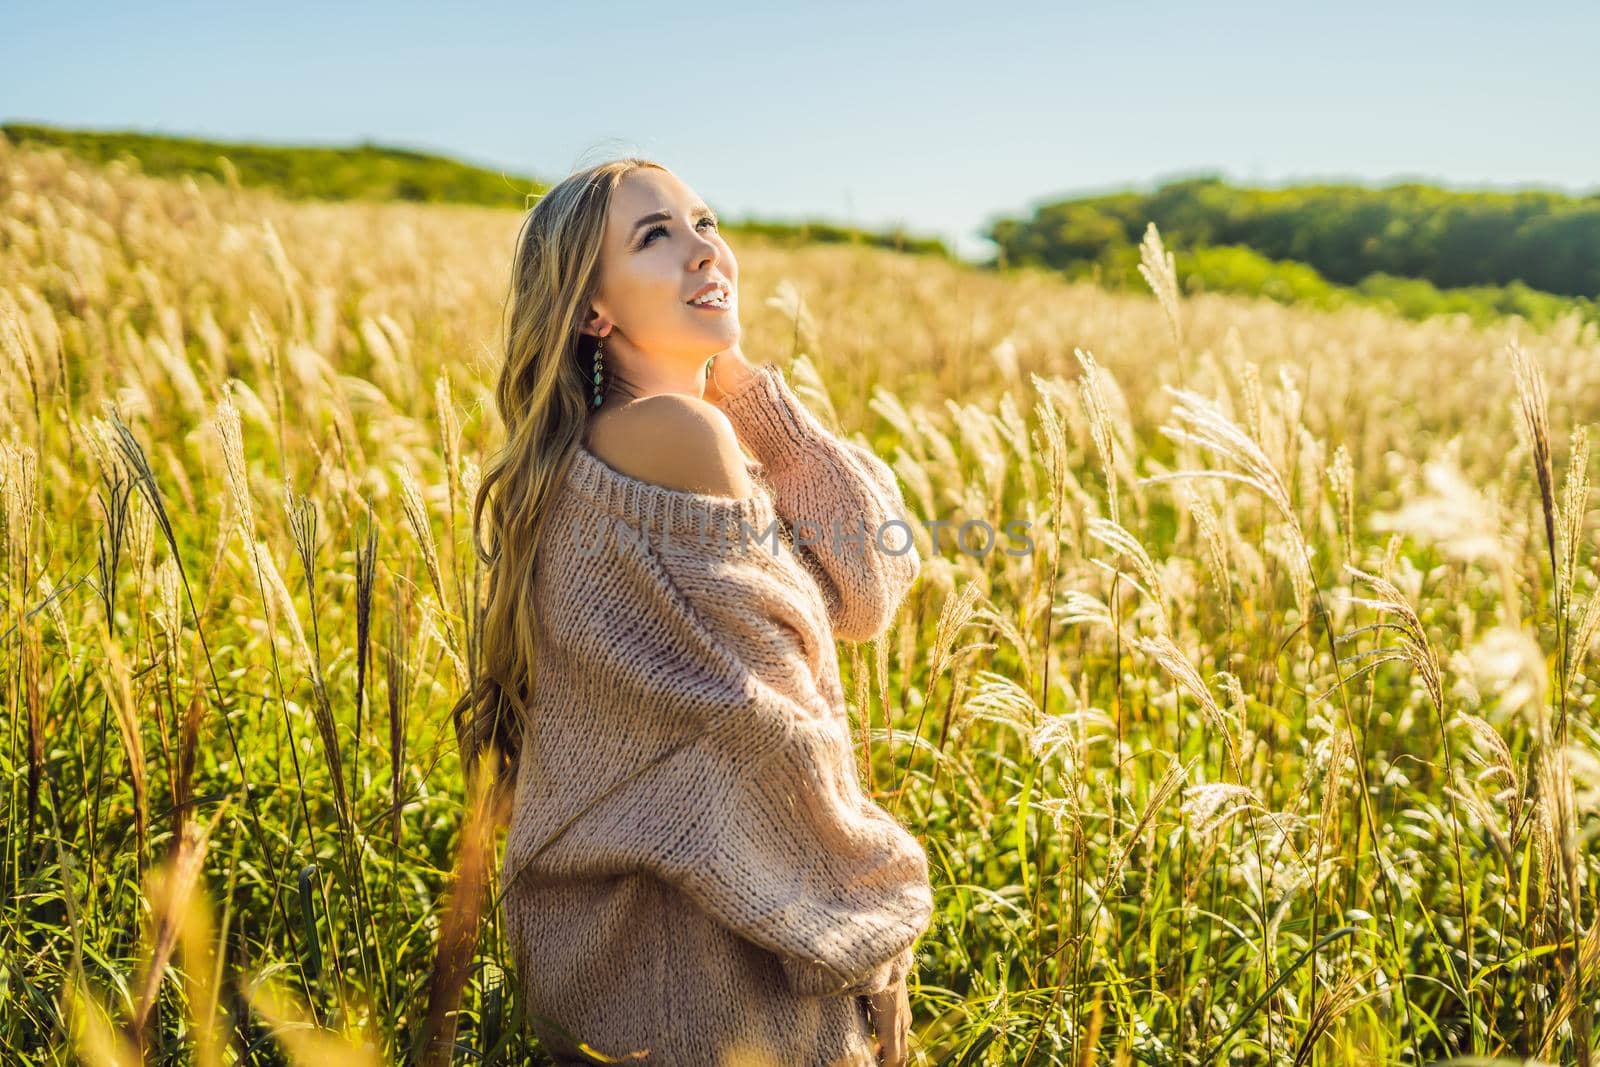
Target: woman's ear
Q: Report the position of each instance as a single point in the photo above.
(594, 323)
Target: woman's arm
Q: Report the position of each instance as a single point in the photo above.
(840, 497)
(795, 857)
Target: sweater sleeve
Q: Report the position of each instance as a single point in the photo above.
(720, 760)
(795, 857)
(853, 531)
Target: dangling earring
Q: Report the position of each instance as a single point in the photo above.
(598, 367)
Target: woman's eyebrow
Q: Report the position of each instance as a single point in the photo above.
(663, 215)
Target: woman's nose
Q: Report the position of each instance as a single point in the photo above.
(705, 254)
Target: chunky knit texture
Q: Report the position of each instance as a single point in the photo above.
(693, 868)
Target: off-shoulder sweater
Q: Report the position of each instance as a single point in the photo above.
(693, 868)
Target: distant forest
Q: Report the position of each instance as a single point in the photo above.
(1409, 243)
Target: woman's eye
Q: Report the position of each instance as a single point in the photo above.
(658, 228)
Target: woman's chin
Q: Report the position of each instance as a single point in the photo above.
(722, 333)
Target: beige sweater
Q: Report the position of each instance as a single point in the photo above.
(712, 878)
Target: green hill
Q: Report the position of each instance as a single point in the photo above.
(362, 172)
(378, 172)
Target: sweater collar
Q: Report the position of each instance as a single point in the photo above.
(677, 512)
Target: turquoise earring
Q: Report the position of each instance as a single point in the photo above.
(598, 367)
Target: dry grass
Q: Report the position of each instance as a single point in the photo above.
(1276, 745)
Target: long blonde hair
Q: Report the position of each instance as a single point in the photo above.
(543, 397)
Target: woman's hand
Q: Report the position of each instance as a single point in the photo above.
(729, 370)
(890, 1012)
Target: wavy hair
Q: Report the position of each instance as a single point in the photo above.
(543, 397)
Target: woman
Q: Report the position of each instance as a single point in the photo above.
(692, 872)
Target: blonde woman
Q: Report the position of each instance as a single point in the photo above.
(692, 872)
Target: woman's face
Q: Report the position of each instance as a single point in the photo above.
(661, 248)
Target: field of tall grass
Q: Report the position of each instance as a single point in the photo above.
(1278, 745)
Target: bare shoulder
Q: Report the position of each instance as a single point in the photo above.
(675, 441)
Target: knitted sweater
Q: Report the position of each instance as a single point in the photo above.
(692, 867)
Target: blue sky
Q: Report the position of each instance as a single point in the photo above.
(935, 115)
